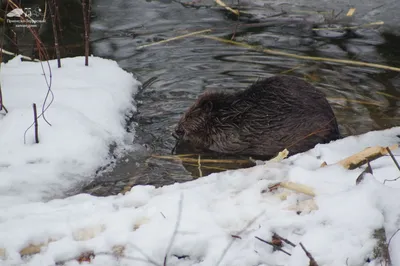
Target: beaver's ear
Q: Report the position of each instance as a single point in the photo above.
(208, 106)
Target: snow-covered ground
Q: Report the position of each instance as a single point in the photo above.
(195, 221)
(87, 115)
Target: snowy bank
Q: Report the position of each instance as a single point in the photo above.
(87, 116)
(214, 220)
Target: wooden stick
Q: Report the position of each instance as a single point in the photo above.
(273, 245)
(52, 5)
(352, 27)
(193, 160)
(303, 57)
(281, 155)
(1, 102)
(234, 11)
(298, 188)
(199, 166)
(367, 155)
(86, 29)
(308, 254)
(175, 38)
(36, 123)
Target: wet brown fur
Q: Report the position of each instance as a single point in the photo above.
(271, 115)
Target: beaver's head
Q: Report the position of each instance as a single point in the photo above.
(195, 125)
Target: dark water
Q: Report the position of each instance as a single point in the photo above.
(363, 98)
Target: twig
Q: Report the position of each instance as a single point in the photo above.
(53, 20)
(89, 12)
(1, 59)
(199, 166)
(391, 180)
(312, 261)
(369, 154)
(178, 220)
(294, 187)
(3, 51)
(175, 38)
(281, 155)
(235, 30)
(148, 82)
(350, 12)
(238, 234)
(206, 167)
(303, 57)
(394, 159)
(367, 170)
(374, 103)
(42, 53)
(36, 123)
(86, 28)
(273, 245)
(351, 27)
(234, 11)
(390, 239)
(57, 13)
(284, 240)
(194, 160)
(1, 101)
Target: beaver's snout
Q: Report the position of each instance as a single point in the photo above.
(178, 134)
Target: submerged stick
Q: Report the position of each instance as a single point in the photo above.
(192, 160)
(234, 11)
(175, 38)
(303, 57)
(276, 52)
(36, 123)
(351, 27)
(350, 12)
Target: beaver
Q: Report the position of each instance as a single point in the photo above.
(272, 114)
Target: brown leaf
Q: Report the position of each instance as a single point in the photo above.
(86, 257)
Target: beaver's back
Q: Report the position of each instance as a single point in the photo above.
(273, 114)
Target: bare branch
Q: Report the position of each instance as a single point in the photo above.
(312, 260)
(178, 220)
(276, 247)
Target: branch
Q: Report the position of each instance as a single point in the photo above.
(312, 261)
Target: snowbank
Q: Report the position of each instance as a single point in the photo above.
(205, 213)
(87, 115)
(210, 221)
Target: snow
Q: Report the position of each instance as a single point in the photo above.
(195, 219)
(87, 115)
